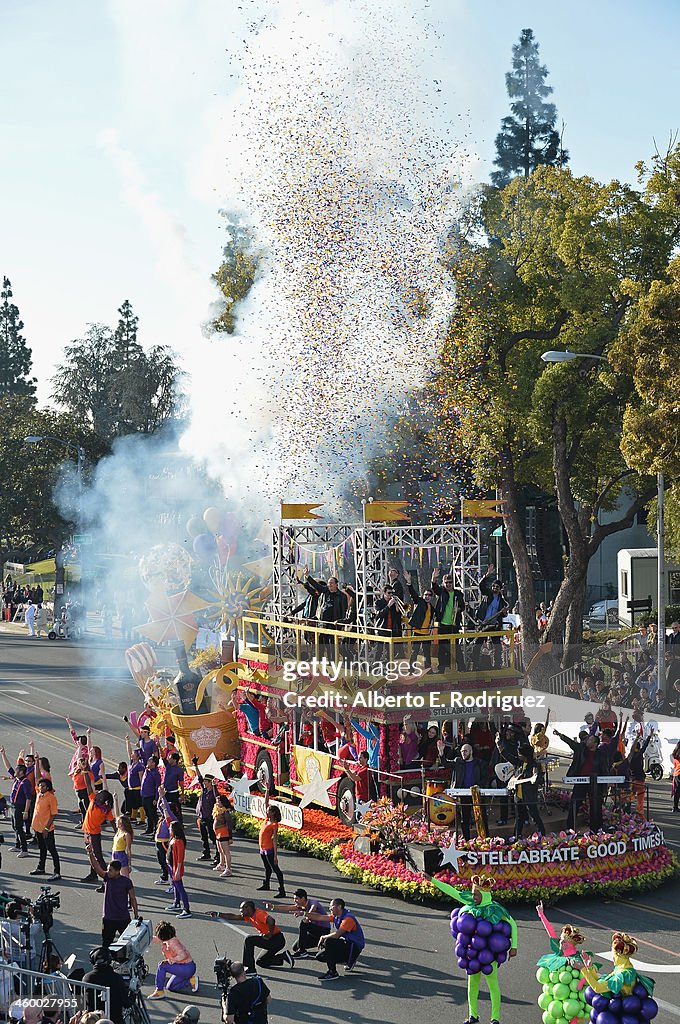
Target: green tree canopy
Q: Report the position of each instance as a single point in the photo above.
(28, 514)
(527, 138)
(15, 355)
(551, 261)
(107, 380)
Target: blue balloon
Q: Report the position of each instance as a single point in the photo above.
(606, 1017)
(462, 962)
(467, 923)
(630, 1018)
(589, 995)
(474, 967)
(501, 958)
(487, 969)
(649, 1008)
(593, 1016)
(600, 1003)
(484, 927)
(204, 547)
(505, 928)
(615, 1005)
(631, 1004)
(640, 991)
(486, 956)
(479, 942)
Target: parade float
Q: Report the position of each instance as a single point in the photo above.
(266, 715)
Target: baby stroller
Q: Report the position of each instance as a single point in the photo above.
(654, 758)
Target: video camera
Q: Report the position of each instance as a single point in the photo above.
(127, 953)
(222, 969)
(44, 907)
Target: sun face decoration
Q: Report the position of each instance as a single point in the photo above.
(234, 595)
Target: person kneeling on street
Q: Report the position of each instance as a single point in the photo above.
(270, 937)
(309, 932)
(177, 962)
(247, 998)
(343, 945)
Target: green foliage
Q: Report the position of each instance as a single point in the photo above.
(110, 382)
(551, 261)
(527, 138)
(672, 615)
(15, 355)
(236, 274)
(29, 473)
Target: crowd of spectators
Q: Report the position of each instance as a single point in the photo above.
(631, 679)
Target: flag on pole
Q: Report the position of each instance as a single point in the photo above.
(485, 508)
(299, 511)
(385, 511)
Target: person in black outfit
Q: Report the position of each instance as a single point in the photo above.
(468, 771)
(505, 751)
(309, 606)
(589, 759)
(102, 973)
(387, 614)
(449, 614)
(247, 999)
(422, 619)
(526, 792)
(332, 609)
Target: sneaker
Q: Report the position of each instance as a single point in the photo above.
(204, 856)
(56, 877)
(22, 853)
(216, 861)
(170, 889)
(302, 954)
(174, 906)
(263, 888)
(193, 983)
(350, 967)
(281, 895)
(156, 995)
(288, 958)
(329, 976)
(89, 879)
(33, 841)
(161, 881)
(217, 867)
(38, 871)
(184, 913)
(225, 874)
(472, 1020)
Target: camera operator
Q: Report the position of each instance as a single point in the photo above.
(20, 935)
(102, 973)
(247, 999)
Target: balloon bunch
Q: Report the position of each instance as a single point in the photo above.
(214, 535)
(562, 1001)
(634, 1008)
(479, 943)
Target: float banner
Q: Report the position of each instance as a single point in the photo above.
(310, 763)
(593, 851)
(291, 815)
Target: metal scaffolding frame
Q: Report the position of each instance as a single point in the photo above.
(375, 547)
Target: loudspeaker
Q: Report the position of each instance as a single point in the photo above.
(425, 858)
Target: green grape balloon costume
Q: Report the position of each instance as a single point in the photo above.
(561, 975)
(486, 935)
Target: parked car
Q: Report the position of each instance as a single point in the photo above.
(603, 613)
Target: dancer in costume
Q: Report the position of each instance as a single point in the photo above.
(486, 935)
(560, 973)
(624, 990)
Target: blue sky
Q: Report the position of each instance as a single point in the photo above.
(109, 109)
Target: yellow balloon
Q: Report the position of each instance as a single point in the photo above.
(211, 518)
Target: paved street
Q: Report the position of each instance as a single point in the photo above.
(408, 958)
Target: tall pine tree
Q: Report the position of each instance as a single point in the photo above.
(127, 348)
(15, 355)
(527, 138)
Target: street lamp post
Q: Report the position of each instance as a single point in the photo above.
(568, 357)
(80, 457)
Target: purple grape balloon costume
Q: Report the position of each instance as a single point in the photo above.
(485, 935)
(624, 996)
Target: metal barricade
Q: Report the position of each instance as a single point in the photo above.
(20, 986)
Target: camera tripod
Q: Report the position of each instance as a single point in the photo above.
(137, 1012)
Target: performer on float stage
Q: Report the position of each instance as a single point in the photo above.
(486, 936)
